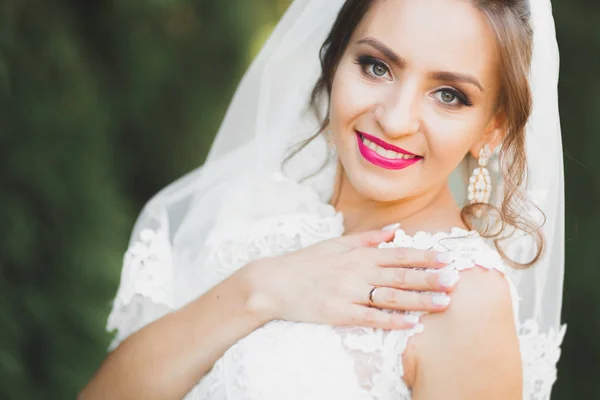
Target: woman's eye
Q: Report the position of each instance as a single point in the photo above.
(378, 70)
(373, 67)
(447, 97)
(452, 98)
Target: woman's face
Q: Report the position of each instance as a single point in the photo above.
(414, 92)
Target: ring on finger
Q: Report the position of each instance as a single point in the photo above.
(371, 296)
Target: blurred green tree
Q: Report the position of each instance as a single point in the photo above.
(102, 103)
(579, 43)
(62, 213)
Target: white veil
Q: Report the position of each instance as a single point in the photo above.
(269, 112)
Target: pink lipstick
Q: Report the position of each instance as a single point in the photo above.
(371, 148)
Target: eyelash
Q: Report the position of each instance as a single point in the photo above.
(461, 97)
(365, 61)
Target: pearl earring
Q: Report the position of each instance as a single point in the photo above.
(480, 183)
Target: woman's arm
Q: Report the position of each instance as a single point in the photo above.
(167, 358)
(471, 351)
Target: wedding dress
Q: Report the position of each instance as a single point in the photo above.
(239, 207)
(289, 360)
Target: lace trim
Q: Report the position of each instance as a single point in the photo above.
(147, 269)
(145, 292)
(540, 353)
(272, 237)
(381, 369)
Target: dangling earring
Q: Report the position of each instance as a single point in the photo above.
(480, 183)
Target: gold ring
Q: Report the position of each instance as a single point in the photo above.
(371, 293)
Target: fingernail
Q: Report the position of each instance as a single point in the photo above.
(448, 278)
(440, 299)
(445, 257)
(411, 319)
(391, 227)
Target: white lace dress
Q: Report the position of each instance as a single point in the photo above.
(297, 361)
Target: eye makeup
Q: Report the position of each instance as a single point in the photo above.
(462, 98)
(374, 68)
(366, 61)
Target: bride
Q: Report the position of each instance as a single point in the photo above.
(265, 274)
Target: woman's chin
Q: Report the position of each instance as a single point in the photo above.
(375, 182)
(376, 188)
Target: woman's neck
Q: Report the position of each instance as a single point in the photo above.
(431, 212)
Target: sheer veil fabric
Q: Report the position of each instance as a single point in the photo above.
(268, 114)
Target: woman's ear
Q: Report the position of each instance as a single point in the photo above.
(492, 137)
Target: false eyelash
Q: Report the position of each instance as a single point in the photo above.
(459, 95)
(365, 60)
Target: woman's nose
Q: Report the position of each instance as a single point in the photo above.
(398, 112)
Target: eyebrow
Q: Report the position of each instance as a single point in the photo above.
(389, 53)
(455, 77)
(436, 75)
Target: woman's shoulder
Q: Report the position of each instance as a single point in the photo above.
(477, 334)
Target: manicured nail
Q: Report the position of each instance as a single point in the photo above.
(445, 257)
(391, 227)
(448, 278)
(411, 319)
(440, 299)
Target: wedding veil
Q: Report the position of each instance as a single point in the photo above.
(269, 112)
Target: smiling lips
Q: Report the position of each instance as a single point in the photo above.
(383, 154)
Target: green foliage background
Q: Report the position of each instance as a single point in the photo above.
(102, 103)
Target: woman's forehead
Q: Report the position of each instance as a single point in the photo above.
(446, 35)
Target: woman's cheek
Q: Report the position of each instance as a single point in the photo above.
(446, 151)
(348, 97)
(353, 93)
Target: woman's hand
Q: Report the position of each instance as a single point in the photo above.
(330, 283)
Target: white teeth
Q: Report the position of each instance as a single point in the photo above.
(392, 155)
